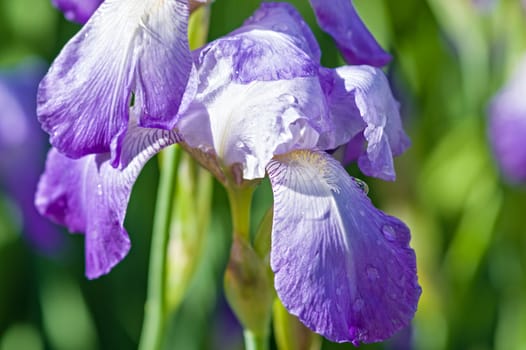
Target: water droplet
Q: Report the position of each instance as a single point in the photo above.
(280, 27)
(289, 98)
(99, 190)
(338, 291)
(372, 273)
(389, 232)
(362, 185)
(358, 304)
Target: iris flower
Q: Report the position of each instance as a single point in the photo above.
(507, 126)
(265, 106)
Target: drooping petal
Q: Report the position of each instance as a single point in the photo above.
(343, 267)
(77, 10)
(127, 46)
(507, 126)
(22, 150)
(360, 99)
(89, 195)
(284, 18)
(341, 21)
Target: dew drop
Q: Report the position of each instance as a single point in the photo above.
(358, 304)
(362, 185)
(389, 232)
(280, 27)
(372, 273)
(99, 190)
(289, 98)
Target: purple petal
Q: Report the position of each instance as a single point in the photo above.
(360, 99)
(256, 50)
(341, 21)
(77, 10)
(22, 150)
(284, 18)
(89, 195)
(137, 46)
(507, 126)
(343, 267)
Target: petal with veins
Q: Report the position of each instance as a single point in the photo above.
(127, 46)
(89, 195)
(343, 267)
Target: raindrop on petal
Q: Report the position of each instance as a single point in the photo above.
(372, 273)
(362, 185)
(389, 232)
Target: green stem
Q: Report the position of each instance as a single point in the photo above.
(255, 341)
(240, 199)
(155, 309)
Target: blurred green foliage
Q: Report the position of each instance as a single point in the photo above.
(468, 225)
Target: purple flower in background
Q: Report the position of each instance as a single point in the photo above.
(77, 10)
(129, 52)
(341, 265)
(507, 126)
(341, 21)
(22, 149)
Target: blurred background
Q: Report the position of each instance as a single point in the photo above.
(468, 221)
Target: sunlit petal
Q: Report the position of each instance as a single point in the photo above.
(343, 267)
(127, 46)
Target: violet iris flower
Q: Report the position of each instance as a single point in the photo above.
(507, 126)
(22, 150)
(129, 52)
(343, 267)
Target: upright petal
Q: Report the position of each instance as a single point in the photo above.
(341, 21)
(127, 47)
(77, 10)
(361, 100)
(251, 103)
(256, 50)
(343, 267)
(284, 18)
(89, 195)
